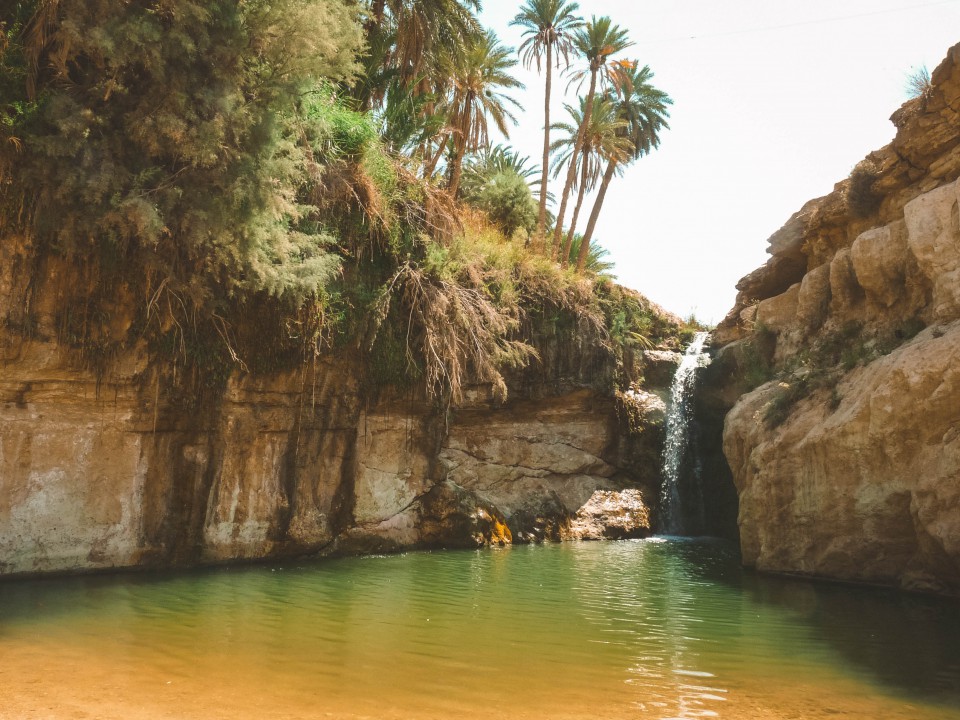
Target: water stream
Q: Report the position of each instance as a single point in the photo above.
(634, 630)
(677, 442)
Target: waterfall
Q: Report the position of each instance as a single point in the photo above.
(679, 415)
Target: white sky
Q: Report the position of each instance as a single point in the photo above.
(774, 102)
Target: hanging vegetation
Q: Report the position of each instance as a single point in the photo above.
(266, 180)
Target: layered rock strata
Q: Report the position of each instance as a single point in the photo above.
(121, 467)
(846, 461)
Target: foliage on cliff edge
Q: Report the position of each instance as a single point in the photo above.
(200, 157)
(170, 135)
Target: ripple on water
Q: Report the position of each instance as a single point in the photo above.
(639, 629)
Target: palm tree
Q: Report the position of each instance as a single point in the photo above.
(596, 42)
(409, 121)
(598, 262)
(644, 110)
(406, 39)
(423, 25)
(480, 168)
(603, 138)
(548, 29)
(476, 95)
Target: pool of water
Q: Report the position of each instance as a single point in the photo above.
(636, 629)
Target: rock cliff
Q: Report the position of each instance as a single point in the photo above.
(121, 464)
(843, 358)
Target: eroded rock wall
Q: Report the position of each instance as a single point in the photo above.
(865, 488)
(846, 461)
(124, 466)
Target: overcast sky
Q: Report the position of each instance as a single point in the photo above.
(774, 102)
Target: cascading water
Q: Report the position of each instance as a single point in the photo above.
(679, 415)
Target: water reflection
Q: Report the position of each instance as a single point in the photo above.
(695, 623)
(907, 642)
(651, 599)
(638, 629)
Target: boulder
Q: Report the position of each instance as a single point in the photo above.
(845, 290)
(612, 515)
(933, 228)
(451, 516)
(659, 367)
(813, 300)
(879, 258)
(780, 312)
(775, 277)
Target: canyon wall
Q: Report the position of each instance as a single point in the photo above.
(125, 465)
(842, 362)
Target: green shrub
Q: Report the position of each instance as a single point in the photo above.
(833, 347)
(506, 199)
(835, 399)
(173, 131)
(786, 397)
(335, 131)
(909, 329)
(794, 389)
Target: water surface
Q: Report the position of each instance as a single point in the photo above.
(637, 629)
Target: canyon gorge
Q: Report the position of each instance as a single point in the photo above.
(831, 406)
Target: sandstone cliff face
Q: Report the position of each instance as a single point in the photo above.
(124, 467)
(846, 462)
(867, 490)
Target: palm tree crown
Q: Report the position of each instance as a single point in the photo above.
(644, 110)
(499, 159)
(602, 138)
(422, 25)
(596, 41)
(406, 40)
(548, 27)
(477, 95)
(643, 107)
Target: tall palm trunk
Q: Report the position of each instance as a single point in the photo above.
(456, 164)
(431, 165)
(594, 214)
(377, 10)
(581, 191)
(572, 171)
(372, 26)
(541, 233)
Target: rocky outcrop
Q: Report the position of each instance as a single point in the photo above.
(923, 157)
(128, 465)
(611, 514)
(105, 477)
(845, 457)
(863, 488)
(539, 463)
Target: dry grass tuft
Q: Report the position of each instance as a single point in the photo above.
(459, 335)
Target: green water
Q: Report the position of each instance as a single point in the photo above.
(637, 629)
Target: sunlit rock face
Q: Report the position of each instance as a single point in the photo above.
(867, 490)
(121, 467)
(543, 463)
(846, 462)
(88, 481)
(612, 514)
